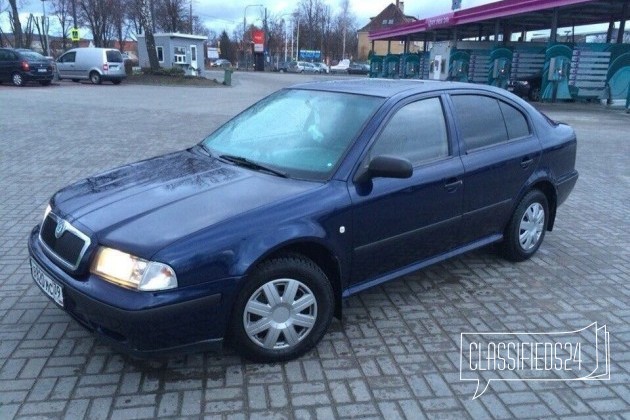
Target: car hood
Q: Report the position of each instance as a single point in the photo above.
(145, 206)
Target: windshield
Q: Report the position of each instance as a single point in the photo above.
(302, 133)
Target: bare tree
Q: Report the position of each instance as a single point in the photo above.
(119, 22)
(16, 26)
(170, 15)
(63, 11)
(141, 9)
(98, 14)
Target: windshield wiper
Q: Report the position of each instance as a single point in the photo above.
(239, 160)
(207, 150)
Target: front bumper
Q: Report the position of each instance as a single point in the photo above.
(142, 324)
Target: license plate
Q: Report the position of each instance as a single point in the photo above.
(42, 70)
(49, 286)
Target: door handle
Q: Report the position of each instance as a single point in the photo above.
(526, 162)
(452, 184)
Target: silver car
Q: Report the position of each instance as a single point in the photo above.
(94, 64)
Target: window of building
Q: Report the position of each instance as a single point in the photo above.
(160, 53)
(179, 54)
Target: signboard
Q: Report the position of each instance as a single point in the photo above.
(440, 21)
(310, 55)
(74, 34)
(259, 40)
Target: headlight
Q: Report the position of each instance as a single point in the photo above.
(47, 211)
(136, 273)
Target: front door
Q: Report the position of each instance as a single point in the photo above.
(193, 60)
(399, 222)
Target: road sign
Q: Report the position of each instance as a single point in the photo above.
(74, 34)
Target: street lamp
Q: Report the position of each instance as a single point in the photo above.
(297, 42)
(45, 28)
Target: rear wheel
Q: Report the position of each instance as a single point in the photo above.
(17, 79)
(95, 78)
(283, 310)
(527, 227)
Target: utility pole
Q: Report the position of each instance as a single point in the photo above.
(74, 19)
(46, 48)
(191, 19)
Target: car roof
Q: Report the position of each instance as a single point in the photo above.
(387, 88)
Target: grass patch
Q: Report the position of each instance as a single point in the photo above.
(167, 77)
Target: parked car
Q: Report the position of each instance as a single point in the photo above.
(281, 66)
(93, 64)
(341, 67)
(309, 67)
(262, 229)
(323, 68)
(359, 68)
(21, 66)
(221, 62)
(527, 87)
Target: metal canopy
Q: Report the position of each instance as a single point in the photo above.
(511, 16)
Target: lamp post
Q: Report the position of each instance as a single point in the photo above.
(245, 28)
(45, 28)
(297, 41)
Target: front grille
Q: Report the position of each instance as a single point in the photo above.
(64, 242)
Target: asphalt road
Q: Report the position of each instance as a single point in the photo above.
(396, 353)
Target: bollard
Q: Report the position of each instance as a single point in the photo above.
(227, 77)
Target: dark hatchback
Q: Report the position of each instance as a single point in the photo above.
(21, 66)
(257, 233)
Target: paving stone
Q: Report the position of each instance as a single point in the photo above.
(396, 352)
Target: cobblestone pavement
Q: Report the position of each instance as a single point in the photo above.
(396, 353)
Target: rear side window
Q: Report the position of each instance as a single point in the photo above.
(114, 56)
(515, 121)
(480, 121)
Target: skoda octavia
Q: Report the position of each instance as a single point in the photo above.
(311, 195)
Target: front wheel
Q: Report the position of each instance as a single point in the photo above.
(283, 310)
(527, 227)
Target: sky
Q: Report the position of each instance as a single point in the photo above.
(221, 14)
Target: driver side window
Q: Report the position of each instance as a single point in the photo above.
(416, 132)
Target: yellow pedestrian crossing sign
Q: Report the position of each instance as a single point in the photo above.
(74, 34)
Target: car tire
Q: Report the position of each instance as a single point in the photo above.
(95, 78)
(17, 79)
(45, 82)
(526, 229)
(268, 327)
(281, 70)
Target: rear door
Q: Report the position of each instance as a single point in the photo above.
(500, 152)
(399, 222)
(115, 63)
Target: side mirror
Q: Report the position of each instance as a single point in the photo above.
(385, 166)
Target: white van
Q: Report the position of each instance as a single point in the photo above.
(95, 64)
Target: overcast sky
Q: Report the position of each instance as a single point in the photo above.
(225, 14)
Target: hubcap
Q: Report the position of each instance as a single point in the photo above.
(280, 314)
(531, 227)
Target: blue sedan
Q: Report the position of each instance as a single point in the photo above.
(311, 195)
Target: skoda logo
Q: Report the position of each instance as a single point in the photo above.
(60, 229)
